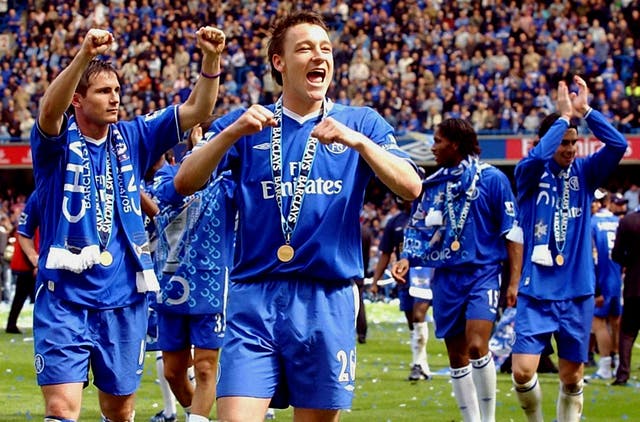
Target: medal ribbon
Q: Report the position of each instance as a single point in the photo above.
(561, 213)
(289, 222)
(458, 224)
(104, 210)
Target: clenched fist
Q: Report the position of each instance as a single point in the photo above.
(210, 40)
(97, 41)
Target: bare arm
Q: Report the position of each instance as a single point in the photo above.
(396, 173)
(59, 94)
(383, 261)
(149, 207)
(202, 99)
(29, 248)
(514, 252)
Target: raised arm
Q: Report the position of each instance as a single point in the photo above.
(202, 99)
(529, 170)
(606, 159)
(59, 94)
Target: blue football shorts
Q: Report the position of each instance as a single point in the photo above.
(612, 307)
(152, 331)
(179, 332)
(568, 320)
(459, 296)
(407, 302)
(70, 338)
(292, 341)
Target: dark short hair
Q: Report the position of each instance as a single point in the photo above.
(95, 66)
(549, 120)
(279, 31)
(461, 132)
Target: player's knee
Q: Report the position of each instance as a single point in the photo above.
(117, 408)
(571, 380)
(174, 374)
(205, 370)
(522, 374)
(63, 408)
(478, 348)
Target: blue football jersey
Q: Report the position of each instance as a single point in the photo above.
(195, 244)
(492, 215)
(146, 138)
(608, 273)
(29, 218)
(392, 236)
(575, 278)
(326, 239)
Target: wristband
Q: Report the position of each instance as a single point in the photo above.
(209, 75)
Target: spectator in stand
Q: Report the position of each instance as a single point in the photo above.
(626, 116)
(532, 121)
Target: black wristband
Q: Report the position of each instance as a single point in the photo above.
(209, 75)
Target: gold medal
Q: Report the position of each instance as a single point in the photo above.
(106, 258)
(560, 260)
(455, 245)
(285, 253)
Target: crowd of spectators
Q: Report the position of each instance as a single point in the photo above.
(494, 62)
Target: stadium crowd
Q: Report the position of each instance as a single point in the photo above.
(494, 62)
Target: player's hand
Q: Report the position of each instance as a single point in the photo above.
(599, 301)
(399, 270)
(564, 105)
(195, 135)
(374, 288)
(96, 42)
(330, 130)
(254, 120)
(210, 40)
(580, 101)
